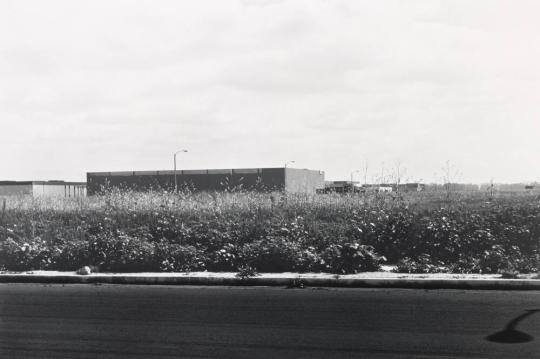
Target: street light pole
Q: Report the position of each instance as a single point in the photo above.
(352, 184)
(352, 174)
(285, 175)
(175, 182)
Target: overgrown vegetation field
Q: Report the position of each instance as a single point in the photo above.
(248, 232)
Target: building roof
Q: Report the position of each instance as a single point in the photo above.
(50, 183)
(197, 172)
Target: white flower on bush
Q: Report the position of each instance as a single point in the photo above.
(25, 247)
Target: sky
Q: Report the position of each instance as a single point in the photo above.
(434, 88)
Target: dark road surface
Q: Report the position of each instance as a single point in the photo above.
(110, 321)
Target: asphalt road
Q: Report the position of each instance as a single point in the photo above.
(127, 321)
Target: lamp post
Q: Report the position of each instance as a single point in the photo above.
(285, 175)
(353, 172)
(175, 183)
(352, 184)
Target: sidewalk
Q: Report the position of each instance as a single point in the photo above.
(384, 279)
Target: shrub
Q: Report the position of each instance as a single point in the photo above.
(227, 258)
(72, 255)
(173, 257)
(29, 255)
(117, 251)
(272, 254)
(422, 264)
(352, 257)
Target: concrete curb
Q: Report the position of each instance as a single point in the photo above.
(292, 281)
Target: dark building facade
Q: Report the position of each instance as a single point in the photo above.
(252, 179)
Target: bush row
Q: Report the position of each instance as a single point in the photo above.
(119, 252)
(336, 235)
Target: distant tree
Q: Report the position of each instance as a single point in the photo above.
(450, 175)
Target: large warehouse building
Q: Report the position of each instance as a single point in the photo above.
(42, 188)
(253, 179)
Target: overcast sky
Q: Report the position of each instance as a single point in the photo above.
(121, 85)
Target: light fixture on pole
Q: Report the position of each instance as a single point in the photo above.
(175, 182)
(288, 162)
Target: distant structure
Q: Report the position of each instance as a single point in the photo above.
(356, 187)
(409, 187)
(286, 179)
(342, 187)
(42, 188)
(384, 188)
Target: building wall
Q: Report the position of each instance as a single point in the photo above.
(39, 189)
(58, 190)
(303, 180)
(259, 179)
(42, 190)
(273, 179)
(16, 190)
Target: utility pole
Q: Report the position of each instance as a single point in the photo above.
(175, 181)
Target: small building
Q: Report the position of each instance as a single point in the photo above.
(356, 187)
(342, 187)
(410, 187)
(376, 188)
(42, 188)
(286, 179)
